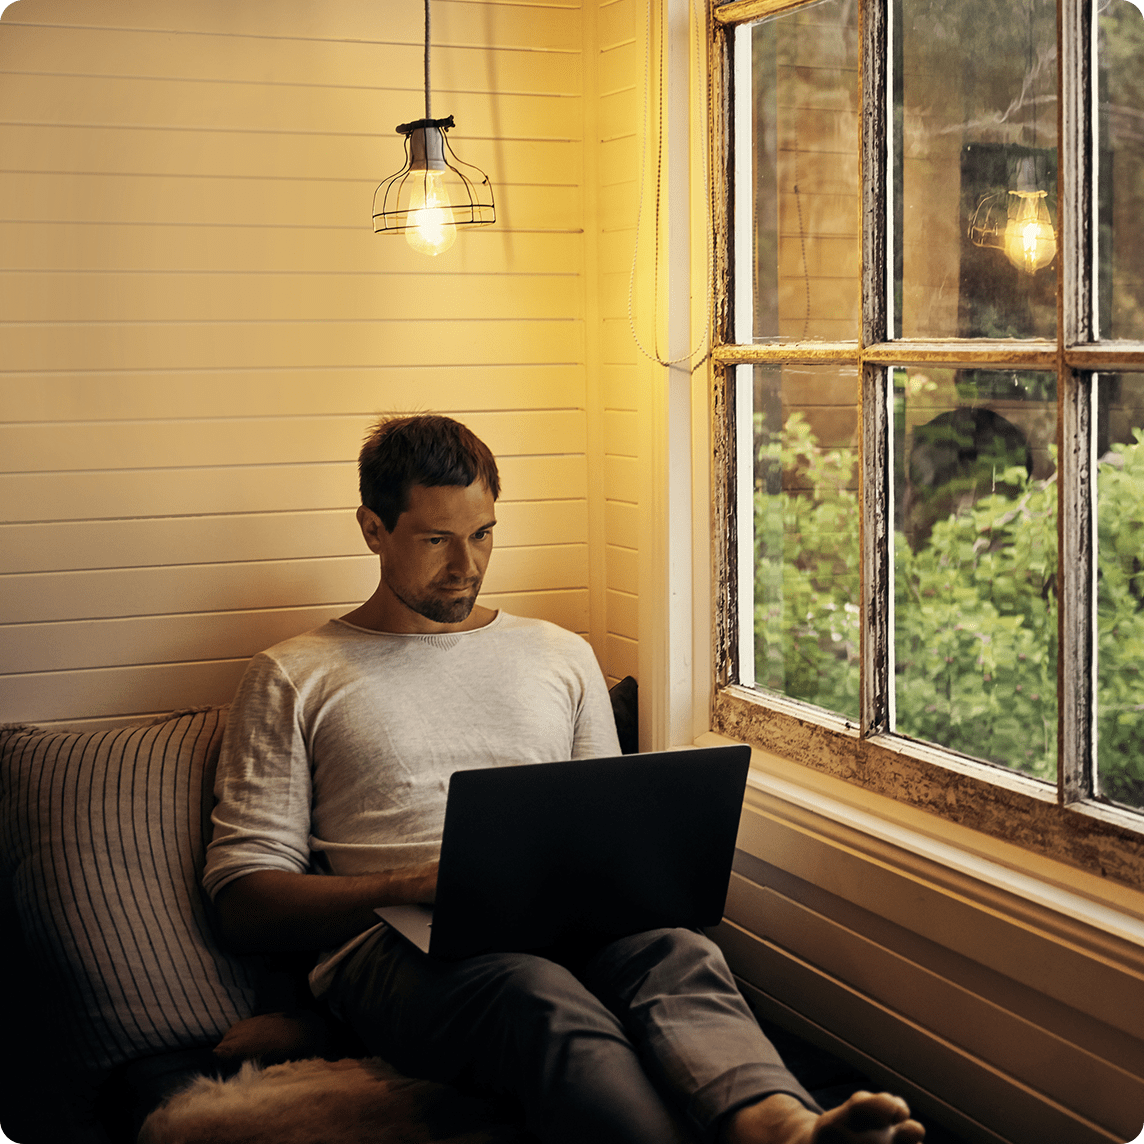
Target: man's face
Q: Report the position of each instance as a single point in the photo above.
(434, 560)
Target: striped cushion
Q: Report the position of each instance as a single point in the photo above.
(103, 836)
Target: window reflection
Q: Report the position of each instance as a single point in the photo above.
(975, 170)
(804, 201)
(1120, 196)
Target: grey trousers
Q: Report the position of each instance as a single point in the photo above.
(611, 1048)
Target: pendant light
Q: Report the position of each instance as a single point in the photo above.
(1017, 222)
(1029, 239)
(434, 192)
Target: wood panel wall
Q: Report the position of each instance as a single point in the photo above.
(623, 383)
(198, 325)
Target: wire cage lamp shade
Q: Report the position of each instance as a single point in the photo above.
(1017, 222)
(434, 192)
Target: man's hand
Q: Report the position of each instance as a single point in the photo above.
(272, 910)
(275, 1037)
(418, 884)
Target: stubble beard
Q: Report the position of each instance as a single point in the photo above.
(449, 609)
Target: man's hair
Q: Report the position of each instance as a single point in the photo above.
(426, 449)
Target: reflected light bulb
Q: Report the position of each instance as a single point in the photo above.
(1029, 239)
(430, 228)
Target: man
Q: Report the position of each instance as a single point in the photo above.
(331, 793)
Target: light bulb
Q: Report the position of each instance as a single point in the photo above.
(429, 229)
(1029, 239)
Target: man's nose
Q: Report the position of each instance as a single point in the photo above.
(462, 563)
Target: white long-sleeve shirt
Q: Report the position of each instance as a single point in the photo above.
(340, 742)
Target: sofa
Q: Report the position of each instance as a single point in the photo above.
(118, 992)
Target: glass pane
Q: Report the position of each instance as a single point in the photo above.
(797, 185)
(975, 564)
(806, 586)
(1120, 198)
(1120, 593)
(975, 169)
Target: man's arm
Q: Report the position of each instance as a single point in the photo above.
(276, 910)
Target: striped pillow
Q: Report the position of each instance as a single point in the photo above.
(103, 836)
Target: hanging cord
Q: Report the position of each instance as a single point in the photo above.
(704, 82)
(1033, 77)
(802, 246)
(428, 104)
(428, 121)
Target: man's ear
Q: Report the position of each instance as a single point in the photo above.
(371, 527)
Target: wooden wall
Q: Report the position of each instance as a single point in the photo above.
(623, 383)
(199, 324)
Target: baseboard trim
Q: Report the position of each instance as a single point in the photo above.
(931, 1109)
(940, 1080)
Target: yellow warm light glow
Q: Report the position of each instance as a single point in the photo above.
(1029, 239)
(430, 228)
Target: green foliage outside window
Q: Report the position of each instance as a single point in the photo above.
(1120, 624)
(975, 608)
(806, 570)
(976, 629)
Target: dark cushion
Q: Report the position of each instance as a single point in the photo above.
(625, 708)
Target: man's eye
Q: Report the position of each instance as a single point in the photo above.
(482, 534)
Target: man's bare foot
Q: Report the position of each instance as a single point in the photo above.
(866, 1118)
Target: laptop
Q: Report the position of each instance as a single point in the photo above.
(540, 854)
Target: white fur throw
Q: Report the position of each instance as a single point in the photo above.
(323, 1102)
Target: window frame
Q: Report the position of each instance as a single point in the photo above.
(1070, 822)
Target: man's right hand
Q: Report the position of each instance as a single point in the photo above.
(418, 884)
(272, 910)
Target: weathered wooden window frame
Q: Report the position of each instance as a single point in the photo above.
(1068, 823)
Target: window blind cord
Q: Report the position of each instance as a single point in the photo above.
(704, 82)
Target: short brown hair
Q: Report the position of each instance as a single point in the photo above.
(425, 449)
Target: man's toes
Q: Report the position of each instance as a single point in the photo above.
(877, 1118)
(875, 1110)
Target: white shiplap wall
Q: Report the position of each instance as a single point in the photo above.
(623, 382)
(198, 325)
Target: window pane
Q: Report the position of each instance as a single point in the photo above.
(797, 183)
(975, 169)
(1120, 595)
(806, 587)
(1120, 80)
(975, 563)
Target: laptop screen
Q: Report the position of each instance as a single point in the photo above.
(535, 854)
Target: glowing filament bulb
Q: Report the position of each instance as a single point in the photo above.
(430, 229)
(1029, 239)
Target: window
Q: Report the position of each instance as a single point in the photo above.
(930, 396)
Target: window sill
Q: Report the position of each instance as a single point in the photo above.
(1006, 807)
(922, 844)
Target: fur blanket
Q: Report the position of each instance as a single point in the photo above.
(324, 1102)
